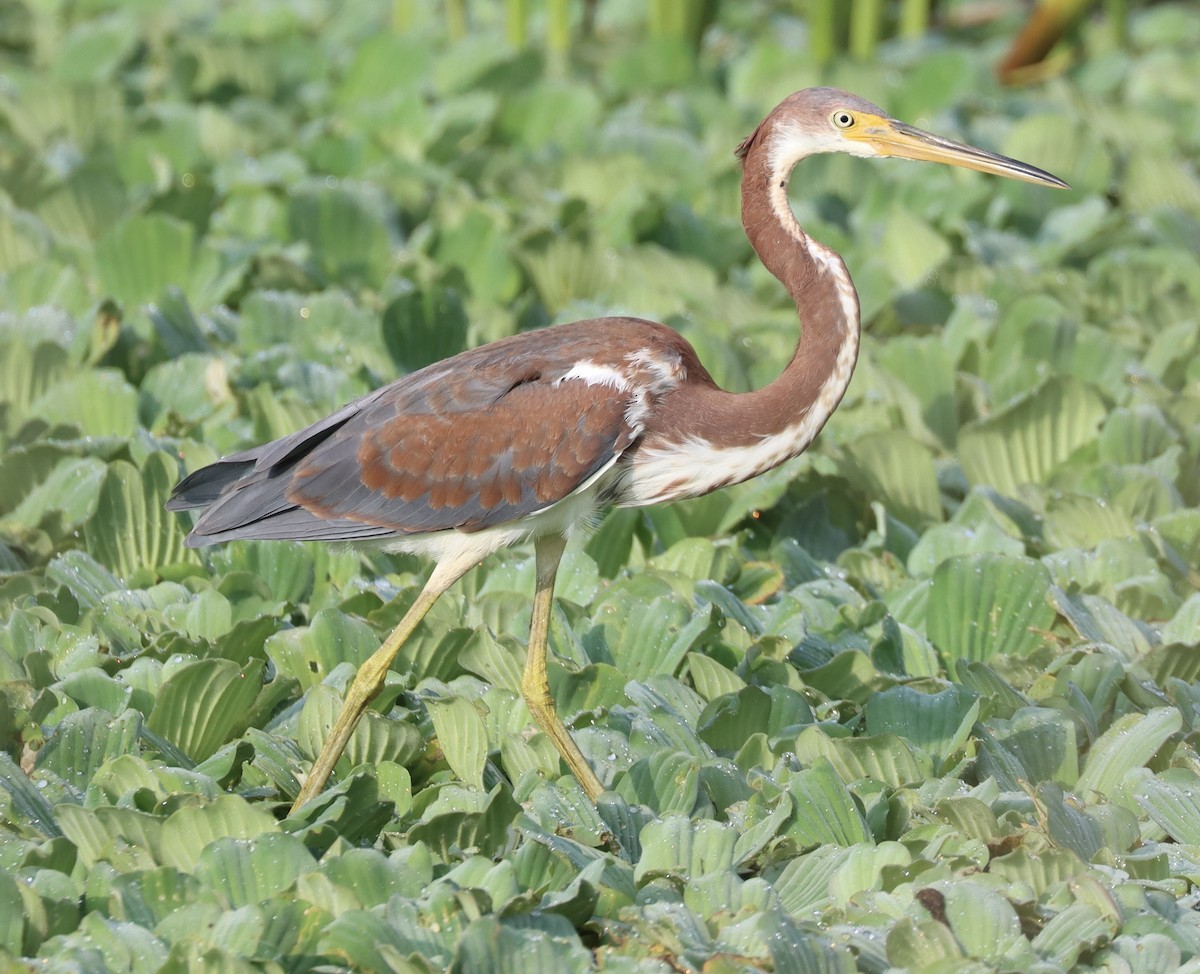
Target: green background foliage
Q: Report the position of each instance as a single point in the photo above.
(925, 698)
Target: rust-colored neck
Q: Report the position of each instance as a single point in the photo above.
(819, 284)
(796, 405)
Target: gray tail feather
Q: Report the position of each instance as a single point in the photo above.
(204, 486)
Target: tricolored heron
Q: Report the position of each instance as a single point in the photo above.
(530, 436)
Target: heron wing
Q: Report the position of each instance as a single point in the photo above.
(482, 439)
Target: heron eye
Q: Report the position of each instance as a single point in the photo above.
(843, 119)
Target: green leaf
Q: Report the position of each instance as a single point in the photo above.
(803, 884)
(1036, 745)
(921, 945)
(939, 723)
(644, 637)
(347, 231)
(377, 738)
(1129, 743)
(99, 403)
(1079, 929)
(138, 259)
(310, 653)
(885, 757)
(1172, 800)
(897, 470)
(131, 530)
(1135, 435)
(189, 831)
(71, 488)
(668, 781)
(424, 326)
(1078, 521)
(1040, 871)
(12, 905)
(912, 249)
(824, 810)
(246, 871)
(476, 243)
(984, 923)
(984, 605)
(1026, 441)
(676, 846)
(27, 370)
(85, 740)
(98, 834)
(202, 704)
(927, 369)
(26, 799)
(148, 897)
(463, 737)
(550, 943)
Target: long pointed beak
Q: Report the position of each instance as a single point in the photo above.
(889, 137)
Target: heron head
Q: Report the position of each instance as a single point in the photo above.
(819, 120)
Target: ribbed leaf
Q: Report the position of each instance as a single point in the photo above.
(1172, 800)
(1184, 626)
(422, 327)
(984, 923)
(310, 653)
(12, 917)
(85, 206)
(863, 867)
(204, 703)
(349, 236)
(96, 833)
(130, 529)
(884, 757)
(26, 799)
(1129, 743)
(897, 470)
(189, 831)
(912, 249)
(246, 871)
(137, 260)
(462, 736)
(23, 238)
(925, 366)
(376, 738)
(1078, 521)
(1068, 934)
(913, 945)
(27, 370)
(939, 722)
(550, 944)
(84, 740)
(648, 637)
(824, 810)
(99, 402)
(982, 605)
(1025, 442)
(1135, 435)
(1040, 871)
(1036, 745)
(668, 781)
(71, 488)
(675, 845)
(149, 896)
(803, 884)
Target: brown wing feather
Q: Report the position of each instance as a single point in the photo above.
(481, 439)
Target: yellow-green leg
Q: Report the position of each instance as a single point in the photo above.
(534, 687)
(371, 675)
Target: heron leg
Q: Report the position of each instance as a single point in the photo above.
(534, 686)
(371, 675)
